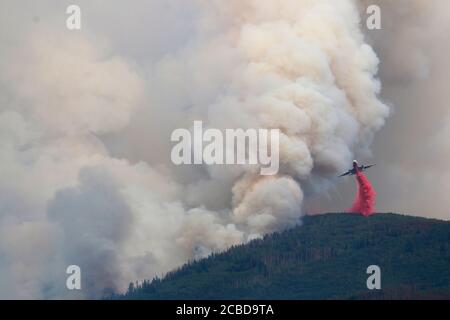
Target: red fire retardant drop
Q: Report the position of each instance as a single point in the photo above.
(364, 202)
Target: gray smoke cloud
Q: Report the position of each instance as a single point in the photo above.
(415, 76)
(411, 151)
(86, 118)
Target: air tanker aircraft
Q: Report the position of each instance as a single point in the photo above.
(356, 169)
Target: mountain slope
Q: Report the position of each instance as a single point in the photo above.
(325, 258)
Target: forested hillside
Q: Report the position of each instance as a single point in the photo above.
(324, 258)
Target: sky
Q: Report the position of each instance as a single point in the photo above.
(86, 117)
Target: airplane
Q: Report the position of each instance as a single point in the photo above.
(356, 169)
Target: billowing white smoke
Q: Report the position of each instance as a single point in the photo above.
(85, 174)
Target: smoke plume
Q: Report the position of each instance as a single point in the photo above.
(86, 117)
(413, 147)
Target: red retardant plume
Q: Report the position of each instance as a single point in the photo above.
(364, 202)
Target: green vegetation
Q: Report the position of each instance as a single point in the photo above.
(324, 258)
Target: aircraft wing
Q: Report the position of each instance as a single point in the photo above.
(370, 165)
(346, 173)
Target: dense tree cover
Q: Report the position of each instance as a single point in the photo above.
(324, 258)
